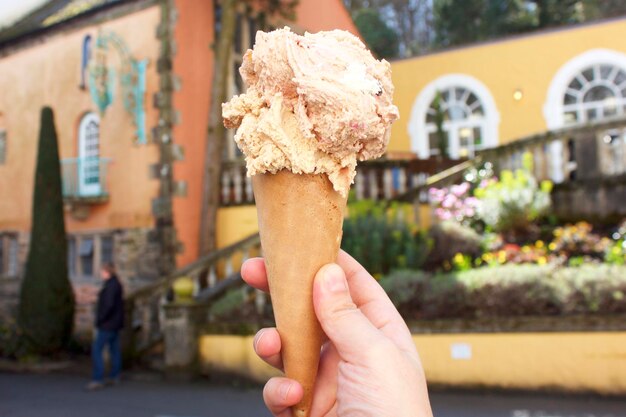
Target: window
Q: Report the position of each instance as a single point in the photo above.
(590, 86)
(89, 155)
(8, 255)
(86, 253)
(596, 92)
(464, 109)
(84, 62)
(463, 119)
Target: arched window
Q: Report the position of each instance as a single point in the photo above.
(89, 155)
(589, 87)
(456, 113)
(596, 92)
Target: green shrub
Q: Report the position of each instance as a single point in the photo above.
(382, 239)
(509, 290)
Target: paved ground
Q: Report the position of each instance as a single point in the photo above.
(56, 395)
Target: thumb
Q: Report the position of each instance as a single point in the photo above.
(345, 325)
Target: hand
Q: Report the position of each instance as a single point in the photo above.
(369, 366)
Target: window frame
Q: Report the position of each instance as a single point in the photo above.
(554, 107)
(75, 259)
(10, 263)
(419, 129)
(452, 127)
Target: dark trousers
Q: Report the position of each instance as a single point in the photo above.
(112, 339)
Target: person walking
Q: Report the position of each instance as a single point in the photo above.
(109, 322)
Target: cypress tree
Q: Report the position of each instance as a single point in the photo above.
(46, 311)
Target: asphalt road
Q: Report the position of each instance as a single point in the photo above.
(55, 395)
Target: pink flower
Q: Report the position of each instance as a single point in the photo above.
(442, 214)
(459, 190)
(448, 201)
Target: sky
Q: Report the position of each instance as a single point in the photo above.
(12, 10)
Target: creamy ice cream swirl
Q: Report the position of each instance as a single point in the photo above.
(315, 104)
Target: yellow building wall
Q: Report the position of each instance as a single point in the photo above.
(594, 362)
(48, 74)
(528, 63)
(235, 223)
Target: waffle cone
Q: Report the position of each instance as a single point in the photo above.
(300, 221)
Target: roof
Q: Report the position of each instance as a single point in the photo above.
(50, 14)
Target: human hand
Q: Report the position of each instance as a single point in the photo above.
(369, 366)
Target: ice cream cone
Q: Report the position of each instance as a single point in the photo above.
(300, 222)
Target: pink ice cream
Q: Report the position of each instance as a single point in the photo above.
(315, 104)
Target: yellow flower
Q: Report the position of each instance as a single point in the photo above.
(552, 246)
(542, 260)
(525, 249)
(539, 244)
(458, 258)
(502, 256)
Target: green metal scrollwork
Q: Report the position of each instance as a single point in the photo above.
(132, 80)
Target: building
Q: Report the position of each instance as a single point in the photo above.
(496, 92)
(129, 82)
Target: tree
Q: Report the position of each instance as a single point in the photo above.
(458, 21)
(442, 136)
(552, 13)
(46, 310)
(462, 21)
(411, 20)
(216, 133)
(381, 39)
(598, 9)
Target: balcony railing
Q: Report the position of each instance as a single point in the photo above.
(377, 180)
(84, 179)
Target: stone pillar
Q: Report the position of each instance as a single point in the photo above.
(180, 334)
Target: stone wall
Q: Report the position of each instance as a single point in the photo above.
(136, 256)
(597, 200)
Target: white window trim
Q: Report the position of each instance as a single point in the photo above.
(417, 123)
(553, 109)
(85, 189)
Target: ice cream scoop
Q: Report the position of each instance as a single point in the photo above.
(315, 104)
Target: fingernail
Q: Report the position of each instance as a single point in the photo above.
(334, 279)
(258, 338)
(284, 390)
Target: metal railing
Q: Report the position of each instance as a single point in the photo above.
(84, 178)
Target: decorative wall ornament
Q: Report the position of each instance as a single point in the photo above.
(132, 75)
